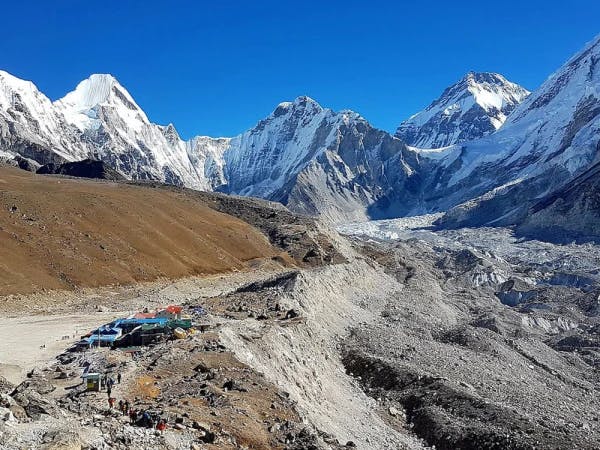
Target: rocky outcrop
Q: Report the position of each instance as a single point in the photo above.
(87, 168)
(571, 213)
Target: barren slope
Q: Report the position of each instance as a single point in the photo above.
(61, 233)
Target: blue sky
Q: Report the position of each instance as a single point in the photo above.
(216, 68)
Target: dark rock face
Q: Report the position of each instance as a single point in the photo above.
(298, 235)
(26, 164)
(571, 213)
(87, 168)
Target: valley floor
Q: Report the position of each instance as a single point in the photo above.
(467, 339)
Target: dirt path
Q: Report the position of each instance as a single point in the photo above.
(30, 336)
(26, 342)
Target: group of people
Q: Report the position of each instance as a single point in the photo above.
(141, 418)
(146, 419)
(110, 382)
(123, 405)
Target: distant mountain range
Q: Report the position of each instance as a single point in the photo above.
(486, 152)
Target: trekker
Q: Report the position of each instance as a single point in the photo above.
(132, 416)
(121, 405)
(111, 402)
(119, 377)
(145, 420)
(161, 426)
(126, 408)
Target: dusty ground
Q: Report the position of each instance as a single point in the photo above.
(34, 327)
(290, 389)
(184, 380)
(27, 342)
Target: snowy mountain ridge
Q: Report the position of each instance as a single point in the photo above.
(473, 107)
(550, 138)
(335, 164)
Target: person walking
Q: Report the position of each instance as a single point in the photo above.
(126, 408)
(132, 416)
(119, 377)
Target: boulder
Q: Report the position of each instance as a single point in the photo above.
(19, 412)
(35, 405)
(37, 382)
(6, 401)
(393, 411)
(5, 386)
(6, 415)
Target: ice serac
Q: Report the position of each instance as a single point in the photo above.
(474, 107)
(317, 161)
(545, 144)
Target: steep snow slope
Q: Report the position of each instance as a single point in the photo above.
(553, 136)
(29, 124)
(260, 161)
(475, 106)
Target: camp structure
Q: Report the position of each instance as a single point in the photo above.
(171, 312)
(144, 334)
(92, 381)
(139, 329)
(184, 323)
(104, 335)
(132, 322)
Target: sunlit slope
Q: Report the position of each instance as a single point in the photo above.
(61, 233)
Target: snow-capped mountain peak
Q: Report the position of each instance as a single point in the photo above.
(475, 106)
(9, 85)
(30, 122)
(20, 95)
(550, 138)
(95, 90)
(80, 106)
(302, 105)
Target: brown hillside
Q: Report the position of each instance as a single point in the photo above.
(60, 233)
